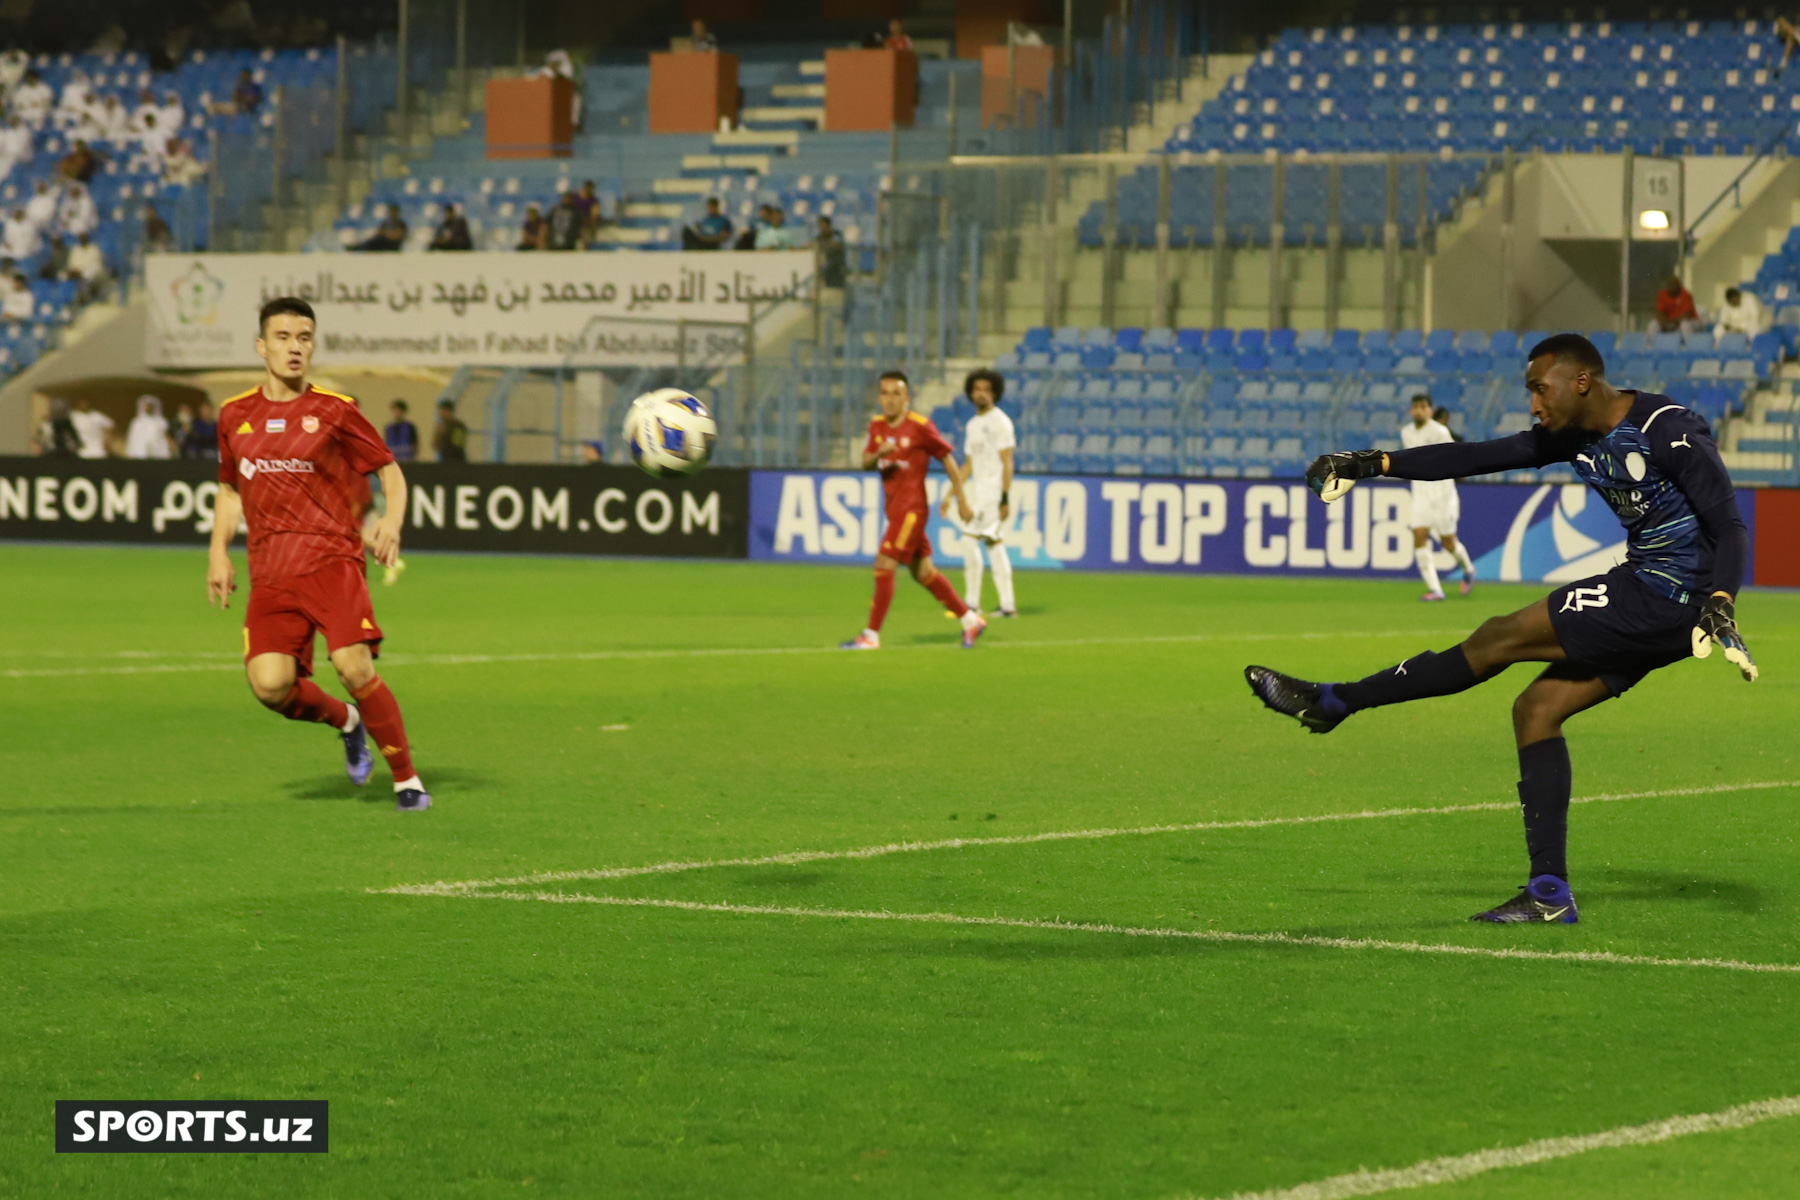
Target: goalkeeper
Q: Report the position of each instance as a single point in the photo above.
(1654, 462)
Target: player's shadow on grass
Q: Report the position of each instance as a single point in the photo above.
(443, 780)
(1679, 887)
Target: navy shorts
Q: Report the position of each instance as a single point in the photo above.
(1616, 627)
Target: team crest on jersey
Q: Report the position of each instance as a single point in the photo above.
(275, 425)
(310, 424)
(245, 428)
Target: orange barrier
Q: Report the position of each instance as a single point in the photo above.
(868, 91)
(689, 92)
(530, 118)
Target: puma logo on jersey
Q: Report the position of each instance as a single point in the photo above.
(1683, 443)
(1585, 597)
(1400, 670)
(1582, 458)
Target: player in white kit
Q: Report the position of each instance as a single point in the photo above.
(1435, 505)
(988, 443)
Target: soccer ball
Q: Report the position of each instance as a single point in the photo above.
(669, 432)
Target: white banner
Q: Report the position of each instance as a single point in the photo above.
(534, 309)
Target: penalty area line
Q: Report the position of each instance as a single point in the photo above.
(797, 857)
(1216, 936)
(1461, 1166)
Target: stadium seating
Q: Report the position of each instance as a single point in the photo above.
(1661, 87)
(1254, 403)
(127, 180)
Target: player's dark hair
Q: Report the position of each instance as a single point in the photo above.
(900, 375)
(1421, 396)
(284, 306)
(1570, 348)
(401, 405)
(994, 381)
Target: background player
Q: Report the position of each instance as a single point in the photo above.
(1435, 504)
(988, 444)
(1655, 465)
(292, 461)
(901, 446)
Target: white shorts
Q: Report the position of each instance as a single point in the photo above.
(987, 524)
(1436, 507)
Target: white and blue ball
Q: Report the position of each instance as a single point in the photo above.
(669, 432)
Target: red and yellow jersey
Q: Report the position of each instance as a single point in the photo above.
(300, 467)
(916, 442)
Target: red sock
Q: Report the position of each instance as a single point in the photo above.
(940, 587)
(381, 713)
(884, 596)
(309, 702)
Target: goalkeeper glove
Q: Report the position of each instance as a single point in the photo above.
(1331, 475)
(1718, 623)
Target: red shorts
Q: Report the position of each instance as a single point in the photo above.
(905, 539)
(284, 614)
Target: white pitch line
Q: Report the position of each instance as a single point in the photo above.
(1195, 935)
(458, 660)
(1462, 1166)
(796, 857)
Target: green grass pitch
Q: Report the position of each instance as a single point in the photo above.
(190, 903)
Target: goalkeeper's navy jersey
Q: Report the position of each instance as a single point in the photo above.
(1659, 471)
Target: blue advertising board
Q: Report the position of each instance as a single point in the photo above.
(1516, 532)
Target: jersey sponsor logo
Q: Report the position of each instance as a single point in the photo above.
(1585, 597)
(245, 428)
(310, 424)
(288, 466)
(275, 425)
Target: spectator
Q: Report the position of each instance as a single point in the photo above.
(452, 232)
(593, 454)
(13, 64)
(15, 144)
(40, 210)
(710, 232)
(701, 40)
(1741, 313)
(565, 224)
(200, 439)
(896, 36)
(832, 258)
(1441, 415)
(180, 167)
(147, 112)
(247, 96)
(389, 235)
(32, 100)
(73, 105)
(18, 304)
(152, 147)
(91, 427)
(56, 437)
(451, 437)
(774, 235)
(401, 435)
(77, 213)
(747, 239)
(56, 260)
(588, 201)
(79, 164)
(19, 238)
(87, 264)
(534, 230)
(157, 234)
(1675, 309)
(148, 434)
(173, 114)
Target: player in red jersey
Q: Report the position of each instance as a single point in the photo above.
(901, 446)
(292, 461)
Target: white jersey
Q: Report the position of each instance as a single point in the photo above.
(1435, 504)
(983, 439)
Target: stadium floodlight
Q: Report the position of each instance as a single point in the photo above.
(1653, 218)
